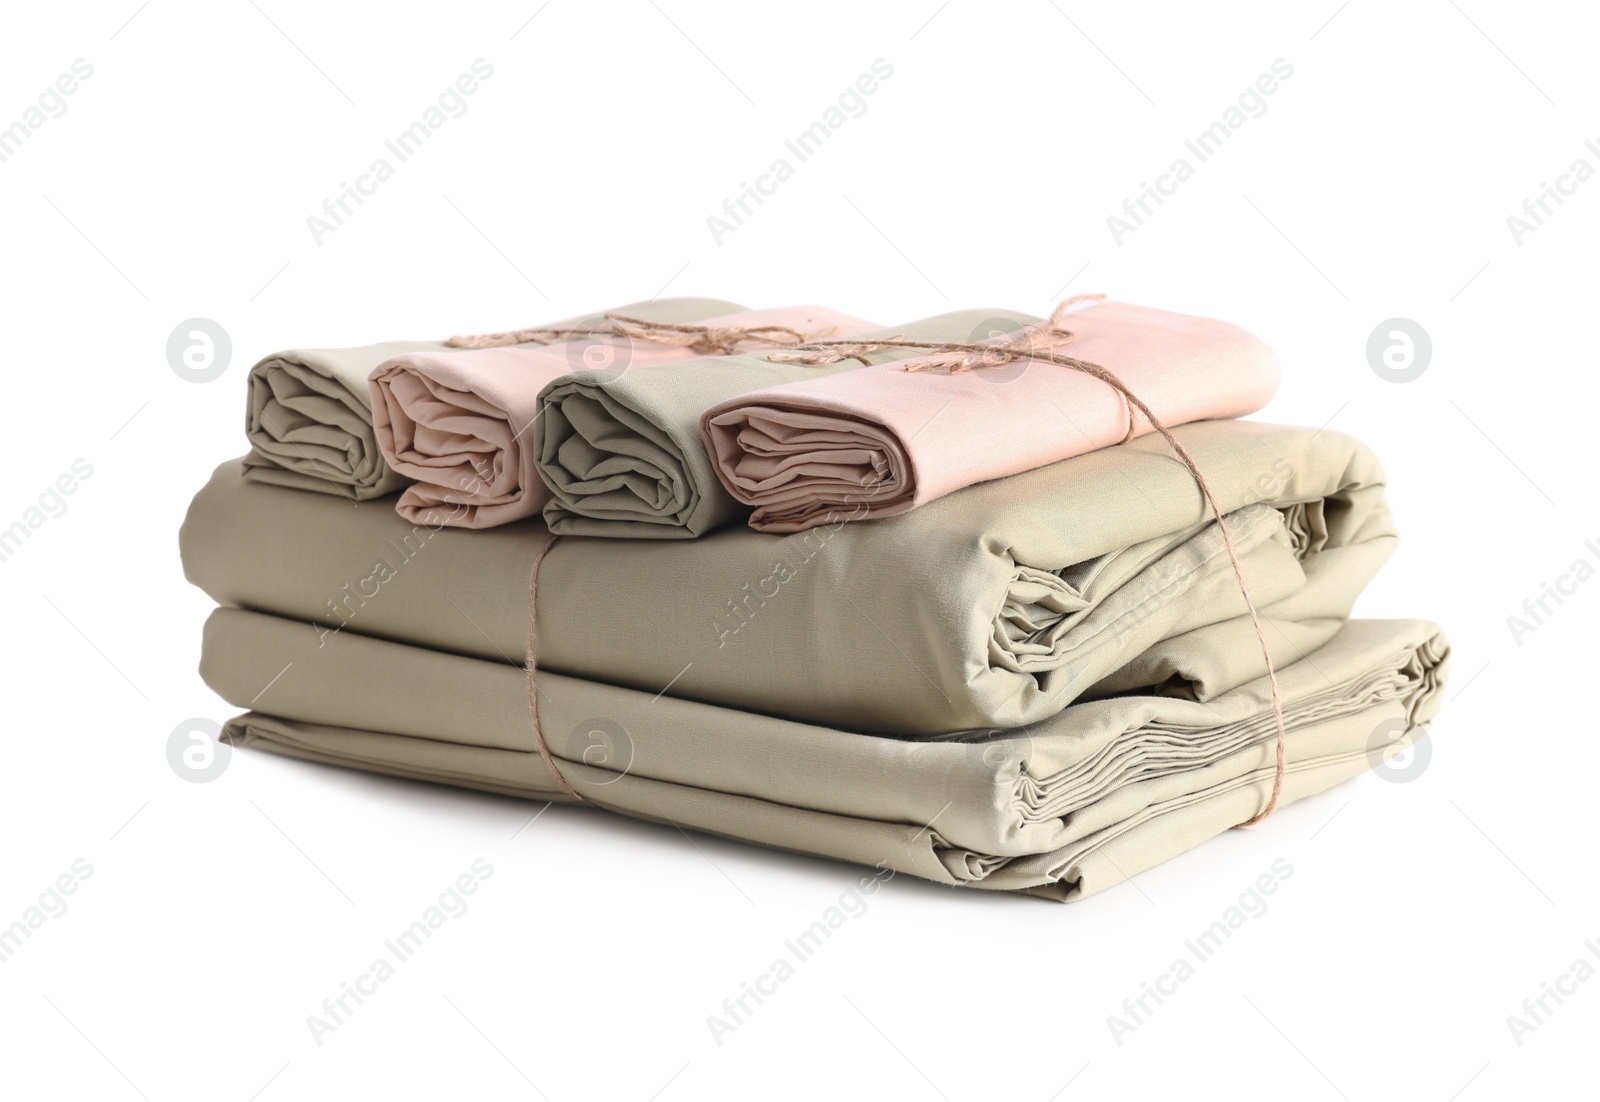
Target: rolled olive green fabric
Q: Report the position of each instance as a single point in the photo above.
(1062, 808)
(995, 606)
(623, 455)
(309, 417)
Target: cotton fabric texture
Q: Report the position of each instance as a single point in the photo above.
(1062, 809)
(993, 607)
(882, 440)
(464, 424)
(309, 413)
(623, 456)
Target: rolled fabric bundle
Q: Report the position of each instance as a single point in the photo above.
(1063, 808)
(623, 456)
(995, 606)
(309, 416)
(883, 440)
(462, 423)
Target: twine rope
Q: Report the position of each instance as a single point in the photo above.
(545, 753)
(708, 340)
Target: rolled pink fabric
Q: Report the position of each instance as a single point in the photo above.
(880, 440)
(462, 423)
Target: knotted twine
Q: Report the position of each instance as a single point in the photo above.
(1029, 344)
(1035, 342)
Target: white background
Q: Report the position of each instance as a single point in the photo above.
(1376, 185)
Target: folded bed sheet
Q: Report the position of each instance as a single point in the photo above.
(995, 606)
(623, 455)
(1061, 808)
(882, 440)
(464, 424)
(309, 416)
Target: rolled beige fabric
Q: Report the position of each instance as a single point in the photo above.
(623, 456)
(996, 606)
(1063, 808)
(309, 412)
(883, 440)
(465, 424)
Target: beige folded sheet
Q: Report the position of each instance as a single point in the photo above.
(1062, 808)
(995, 606)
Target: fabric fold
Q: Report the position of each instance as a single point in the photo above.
(1063, 808)
(309, 413)
(993, 607)
(881, 440)
(623, 456)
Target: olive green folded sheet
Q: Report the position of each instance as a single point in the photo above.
(995, 606)
(309, 414)
(623, 455)
(1061, 808)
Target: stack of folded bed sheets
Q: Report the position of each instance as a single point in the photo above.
(978, 626)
